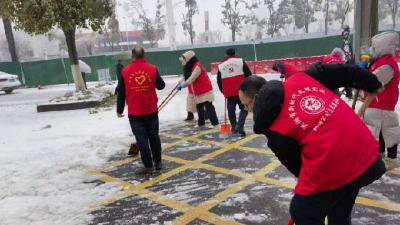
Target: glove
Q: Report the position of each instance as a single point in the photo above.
(179, 87)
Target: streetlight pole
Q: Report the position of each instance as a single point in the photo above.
(254, 49)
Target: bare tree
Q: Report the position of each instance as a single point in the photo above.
(233, 16)
(304, 12)
(187, 23)
(153, 30)
(112, 30)
(342, 9)
(275, 21)
(286, 13)
(392, 6)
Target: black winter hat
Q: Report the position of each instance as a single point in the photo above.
(230, 51)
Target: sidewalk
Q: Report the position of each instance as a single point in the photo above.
(207, 179)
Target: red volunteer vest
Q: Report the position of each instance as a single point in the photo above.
(337, 147)
(140, 87)
(387, 99)
(202, 84)
(232, 75)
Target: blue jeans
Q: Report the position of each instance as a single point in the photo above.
(232, 102)
(147, 139)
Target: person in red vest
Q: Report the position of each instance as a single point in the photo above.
(318, 137)
(200, 86)
(231, 73)
(381, 117)
(285, 69)
(138, 88)
(336, 57)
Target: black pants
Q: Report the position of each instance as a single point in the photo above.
(84, 79)
(232, 102)
(147, 139)
(210, 109)
(391, 152)
(337, 204)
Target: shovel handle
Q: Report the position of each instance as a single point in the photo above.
(353, 106)
(365, 105)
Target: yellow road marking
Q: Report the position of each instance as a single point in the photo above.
(202, 210)
(396, 172)
(378, 204)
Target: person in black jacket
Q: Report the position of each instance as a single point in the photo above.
(276, 102)
(231, 72)
(120, 67)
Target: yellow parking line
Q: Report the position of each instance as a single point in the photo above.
(201, 211)
(396, 172)
(378, 204)
(256, 150)
(112, 165)
(208, 141)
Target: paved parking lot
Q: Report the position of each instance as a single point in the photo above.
(209, 179)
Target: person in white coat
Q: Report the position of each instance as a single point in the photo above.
(381, 117)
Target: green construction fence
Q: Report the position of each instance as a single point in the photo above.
(58, 71)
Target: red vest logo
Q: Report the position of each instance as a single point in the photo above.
(139, 80)
(231, 70)
(312, 104)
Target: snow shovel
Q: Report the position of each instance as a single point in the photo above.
(225, 128)
(364, 106)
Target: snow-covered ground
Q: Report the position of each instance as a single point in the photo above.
(44, 156)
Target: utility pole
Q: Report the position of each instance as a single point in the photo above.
(365, 26)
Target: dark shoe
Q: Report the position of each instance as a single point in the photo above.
(144, 171)
(189, 117)
(158, 166)
(234, 130)
(241, 132)
(133, 150)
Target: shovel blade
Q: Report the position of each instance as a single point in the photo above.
(225, 129)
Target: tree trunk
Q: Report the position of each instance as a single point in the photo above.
(10, 39)
(233, 35)
(326, 16)
(73, 56)
(191, 30)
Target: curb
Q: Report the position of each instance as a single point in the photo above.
(67, 106)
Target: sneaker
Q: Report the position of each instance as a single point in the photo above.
(133, 150)
(212, 126)
(199, 126)
(158, 166)
(144, 171)
(390, 163)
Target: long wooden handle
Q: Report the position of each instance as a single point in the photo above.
(169, 97)
(365, 105)
(353, 106)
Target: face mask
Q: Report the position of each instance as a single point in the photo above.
(371, 51)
